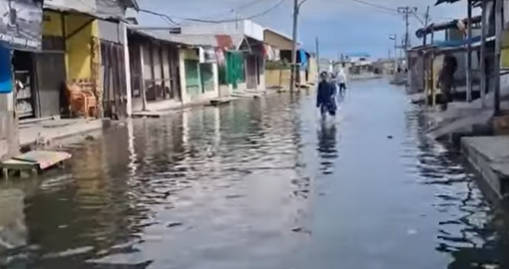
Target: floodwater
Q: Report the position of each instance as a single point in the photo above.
(259, 183)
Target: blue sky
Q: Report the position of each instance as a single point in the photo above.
(343, 26)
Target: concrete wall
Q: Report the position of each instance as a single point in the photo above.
(281, 78)
(8, 127)
(277, 78)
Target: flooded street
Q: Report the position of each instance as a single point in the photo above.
(259, 183)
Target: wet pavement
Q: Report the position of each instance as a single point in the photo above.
(259, 183)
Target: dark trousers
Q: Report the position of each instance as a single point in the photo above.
(342, 87)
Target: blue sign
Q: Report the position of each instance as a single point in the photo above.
(5, 70)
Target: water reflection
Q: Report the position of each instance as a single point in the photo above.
(328, 152)
(234, 187)
(222, 184)
(13, 232)
(470, 231)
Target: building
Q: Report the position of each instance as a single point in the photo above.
(246, 60)
(155, 77)
(83, 42)
(358, 63)
(22, 33)
(278, 49)
(425, 61)
(168, 70)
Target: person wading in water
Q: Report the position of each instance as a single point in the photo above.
(446, 79)
(325, 98)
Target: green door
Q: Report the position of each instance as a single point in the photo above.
(207, 77)
(192, 77)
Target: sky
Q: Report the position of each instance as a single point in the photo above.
(342, 26)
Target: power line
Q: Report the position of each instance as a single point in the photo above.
(164, 16)
(172, 21)
(260, 14)
(381, 7)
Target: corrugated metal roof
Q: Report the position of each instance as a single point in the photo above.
(191, 40)
(475, 2)
(443, 26)
(91, 13)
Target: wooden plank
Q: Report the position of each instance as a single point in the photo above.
(45, 159)
(18, 165)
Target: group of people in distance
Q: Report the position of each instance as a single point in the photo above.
(331, 86)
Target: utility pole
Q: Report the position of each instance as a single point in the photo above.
(407, 11)
(424, 43)
(469, 52)
(498, 48)
(484, 31)
(317, 43)
(294, 45)
(293, 68)
(395, 38)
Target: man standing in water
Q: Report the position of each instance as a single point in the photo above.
(325, 97)
(446, 79)
(342, 81)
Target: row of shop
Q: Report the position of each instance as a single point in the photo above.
(130, 68)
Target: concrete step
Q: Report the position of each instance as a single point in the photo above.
(490, 156)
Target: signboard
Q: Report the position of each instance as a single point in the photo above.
(5, 70)
(21, 23)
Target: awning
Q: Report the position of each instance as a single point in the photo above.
(196, 40)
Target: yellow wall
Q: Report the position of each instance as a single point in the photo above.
(52, 25)
(79, 47)
(78, 54)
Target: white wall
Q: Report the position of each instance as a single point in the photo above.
(253, 30)
(246, 27)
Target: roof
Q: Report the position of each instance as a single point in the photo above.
(90, 13)
(285, 36)
(450, 45)
(359, 54)
(132, 4)
(444, 25)
(475, 2)
(163, 34)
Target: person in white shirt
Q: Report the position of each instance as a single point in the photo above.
(342, 81)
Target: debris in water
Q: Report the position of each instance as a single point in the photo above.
(235, 196)
(390, 137)
(174, 224)
(301, 230)
(89, 138)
